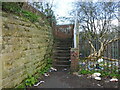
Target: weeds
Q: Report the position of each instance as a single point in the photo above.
(103, 73)
(30, 81)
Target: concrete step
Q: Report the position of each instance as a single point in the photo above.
(62, 48)
(61, 54)
(62, 62)
(62, 40)
(61, 45)
(61, 65)
(61, 51)
(56, 57)
(61, 58)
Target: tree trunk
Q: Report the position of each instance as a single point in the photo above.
(99, 54)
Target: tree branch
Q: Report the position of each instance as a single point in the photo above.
(92, 45)
(106, 58)
(113, 40)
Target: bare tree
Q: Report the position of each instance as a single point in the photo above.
(96, 22)
(46, 8)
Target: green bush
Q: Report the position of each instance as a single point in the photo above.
(30, 81)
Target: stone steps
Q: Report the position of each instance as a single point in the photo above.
(61, 53)
(61, 66)
(62, 62)
(62, 58)
(62, 48)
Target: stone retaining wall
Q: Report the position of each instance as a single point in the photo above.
(24, 47)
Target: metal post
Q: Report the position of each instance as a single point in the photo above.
(75, 31)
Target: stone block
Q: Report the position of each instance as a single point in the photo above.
(7, 57)
(8, 84)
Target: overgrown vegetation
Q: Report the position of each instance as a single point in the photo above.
(46, 8)
(32, 79)
(106, 68)
(30, 16)
(16, 8)
(103, 73)
(11, 7)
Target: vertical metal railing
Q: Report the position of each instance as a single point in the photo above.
(112, 51)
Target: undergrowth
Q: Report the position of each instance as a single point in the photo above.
(13, 7)
(103, 73)
(32, 79)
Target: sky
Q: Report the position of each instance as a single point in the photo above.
(62, 9)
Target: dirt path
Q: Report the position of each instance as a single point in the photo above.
(62, 79)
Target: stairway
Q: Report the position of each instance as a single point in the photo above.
(61, 53)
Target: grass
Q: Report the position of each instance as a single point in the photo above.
(13, 7)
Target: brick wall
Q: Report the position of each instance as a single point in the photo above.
(24, 47)
(74, 55)
(64, 31)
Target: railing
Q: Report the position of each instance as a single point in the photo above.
(108, 64)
